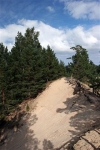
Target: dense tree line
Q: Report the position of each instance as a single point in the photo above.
(25, 70)
(84, 69)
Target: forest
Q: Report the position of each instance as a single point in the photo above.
(28, 67)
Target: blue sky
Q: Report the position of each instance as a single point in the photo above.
(61, 23)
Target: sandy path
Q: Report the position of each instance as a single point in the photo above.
(45, 128)
(51, 125)
(54, 119)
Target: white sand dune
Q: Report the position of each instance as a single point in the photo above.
(49, 123)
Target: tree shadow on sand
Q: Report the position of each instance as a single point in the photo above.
(47, 145)
(87, 115)
(18, 136)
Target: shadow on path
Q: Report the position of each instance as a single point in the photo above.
(87, 115)
(18, 136)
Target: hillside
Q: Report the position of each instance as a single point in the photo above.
(56, 119)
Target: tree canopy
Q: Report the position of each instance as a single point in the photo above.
(84, 69)
(25, 70)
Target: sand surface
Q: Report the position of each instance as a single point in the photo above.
(53, 120)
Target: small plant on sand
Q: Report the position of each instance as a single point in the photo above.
(27, 108)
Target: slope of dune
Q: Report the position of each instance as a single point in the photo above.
(55, 118)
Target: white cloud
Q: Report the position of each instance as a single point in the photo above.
(83, 9)
(49, 8)
(60, 40)
(7, 34)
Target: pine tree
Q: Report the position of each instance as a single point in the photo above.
(3, 79)
(25, 70)
(51, 64)
(80, 63)
(3, 72)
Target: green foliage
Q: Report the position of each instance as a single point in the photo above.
(84, 69)
(80, 63)
(94, 77)
(25, 70)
